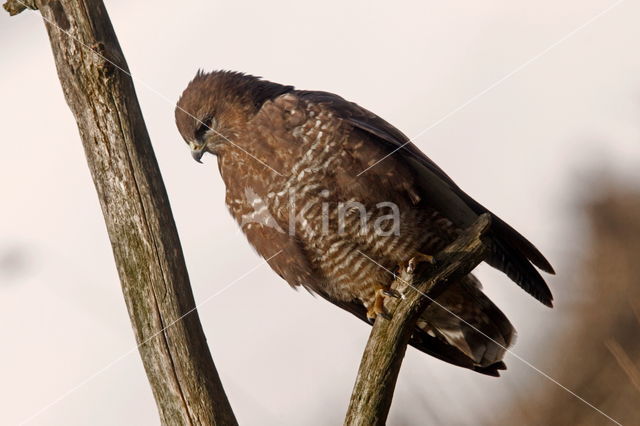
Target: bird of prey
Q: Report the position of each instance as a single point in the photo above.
(305, 182)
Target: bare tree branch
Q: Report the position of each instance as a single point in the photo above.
(16, 6)
(136, 209)
(382, 358)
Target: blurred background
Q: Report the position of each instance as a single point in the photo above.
(554, 149)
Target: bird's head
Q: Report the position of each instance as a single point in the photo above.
(215, 107)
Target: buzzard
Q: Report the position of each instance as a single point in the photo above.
(305, 182)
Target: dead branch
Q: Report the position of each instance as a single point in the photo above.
(382, 358)
(100, 92)
(16, 6)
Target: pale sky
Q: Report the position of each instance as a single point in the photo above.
(525, 146)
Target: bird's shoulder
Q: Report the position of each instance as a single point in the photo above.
(374, 137)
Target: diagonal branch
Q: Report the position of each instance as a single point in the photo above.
(100, 92)
(382, 358)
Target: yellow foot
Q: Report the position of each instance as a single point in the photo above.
(377, 308)
(417, 259)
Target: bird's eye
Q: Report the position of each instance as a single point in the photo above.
(205, 125)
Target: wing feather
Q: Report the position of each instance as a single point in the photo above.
(512, 253)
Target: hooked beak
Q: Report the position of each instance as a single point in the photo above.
(197, 152)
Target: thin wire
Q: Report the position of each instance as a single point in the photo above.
(497, 343)
(133, 349)
(446, 116)
(498, 82)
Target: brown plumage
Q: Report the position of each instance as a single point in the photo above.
(290, 161)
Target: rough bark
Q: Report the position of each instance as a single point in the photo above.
(136, 210)
(382, 358)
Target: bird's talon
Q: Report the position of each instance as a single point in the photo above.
(374, 314)
(392, 293)
(411, 266)
(419, 258)
(377, 309)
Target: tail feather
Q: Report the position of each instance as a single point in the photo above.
(463, 328)
(520, 270)
(466, 319)
(516, 256)
(519, 243)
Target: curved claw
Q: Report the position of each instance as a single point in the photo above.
(389, 292)
(419, 258)
(377, 309)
